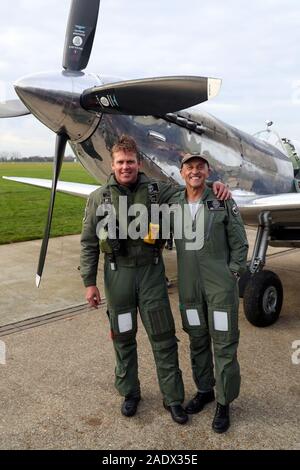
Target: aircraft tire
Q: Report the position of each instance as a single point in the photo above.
(244, 279)
(263, 297)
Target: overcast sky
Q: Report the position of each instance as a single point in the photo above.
(253, 46)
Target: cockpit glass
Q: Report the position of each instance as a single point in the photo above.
(271, 138)
(296, 144)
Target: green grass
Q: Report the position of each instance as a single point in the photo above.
(23, 209)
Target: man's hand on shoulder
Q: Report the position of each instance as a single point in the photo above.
(221, 191)
(93, 297)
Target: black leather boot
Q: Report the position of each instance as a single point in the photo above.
(177, 412)
(198, 402)
(129, 406)
(221, 421)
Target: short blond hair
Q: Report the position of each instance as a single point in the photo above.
(126, 144)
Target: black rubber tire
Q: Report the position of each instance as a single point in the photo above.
(263, 297)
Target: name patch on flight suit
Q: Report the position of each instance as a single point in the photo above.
(215, 205)
(153, 192)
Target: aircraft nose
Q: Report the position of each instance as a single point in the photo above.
(47, 96)
(54, 99)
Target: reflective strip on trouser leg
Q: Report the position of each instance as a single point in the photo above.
(225, 334)
(194, 322)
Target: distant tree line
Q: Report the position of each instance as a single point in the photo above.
(17, 157)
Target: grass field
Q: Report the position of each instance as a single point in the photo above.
(23, 209)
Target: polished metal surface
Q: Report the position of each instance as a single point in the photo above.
(54, 99)
(260, 175)
(239, 160)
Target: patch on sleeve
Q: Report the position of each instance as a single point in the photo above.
(215, 205)
(235, 210)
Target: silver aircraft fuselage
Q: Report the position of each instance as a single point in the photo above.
(248, 165)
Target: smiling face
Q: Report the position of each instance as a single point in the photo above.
(195, 172)
(125, 166)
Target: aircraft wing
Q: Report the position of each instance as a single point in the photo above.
(76, 189)
(284, 208)
(13, 108)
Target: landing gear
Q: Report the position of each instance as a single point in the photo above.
(261, 289)
(263, 298)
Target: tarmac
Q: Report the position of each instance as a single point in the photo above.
(57, 376)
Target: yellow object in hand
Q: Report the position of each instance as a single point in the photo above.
(153, 234)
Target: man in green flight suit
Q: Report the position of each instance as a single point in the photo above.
(134, 278)
(208, 272)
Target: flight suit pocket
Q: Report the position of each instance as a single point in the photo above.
(161, 322)
(123, 324)
(223, 323)
(193, 318)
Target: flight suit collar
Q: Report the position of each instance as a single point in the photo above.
(204, 196)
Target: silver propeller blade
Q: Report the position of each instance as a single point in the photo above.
(13, 108)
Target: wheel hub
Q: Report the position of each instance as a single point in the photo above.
(270, 300)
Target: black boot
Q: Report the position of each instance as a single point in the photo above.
(221, 420)
(177, 412)
(197, 403)
(129, 406)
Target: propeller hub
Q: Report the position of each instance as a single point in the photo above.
(54, 99)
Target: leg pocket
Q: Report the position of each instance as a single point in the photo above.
(193, 318)
(123, 323)
(159, 322)
(223, 322)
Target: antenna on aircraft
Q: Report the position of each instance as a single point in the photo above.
(269, 123)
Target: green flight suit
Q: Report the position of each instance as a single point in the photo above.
(208, 293)
(137, 284)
